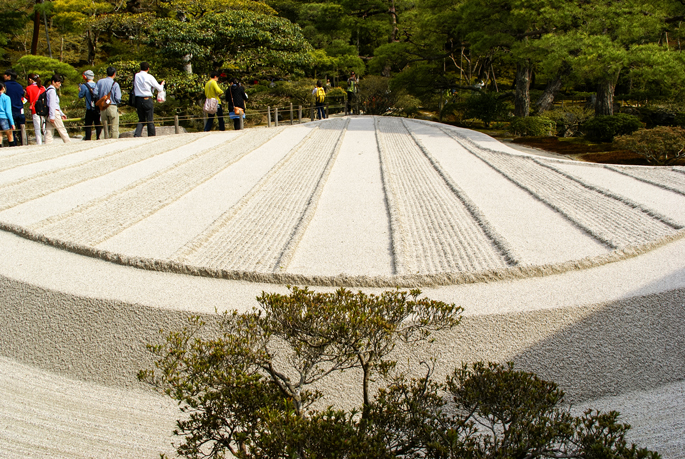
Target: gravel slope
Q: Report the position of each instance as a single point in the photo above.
(581, 266)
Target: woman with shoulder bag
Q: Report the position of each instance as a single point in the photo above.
(236, 103)
(213, 102)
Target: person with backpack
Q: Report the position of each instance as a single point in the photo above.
(110, 114)
(6, 119)
(33, 91)
(89, 91)
(55, 113)
(16, 93)
(319, 94)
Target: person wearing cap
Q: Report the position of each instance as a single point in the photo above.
(143, 84)
(110, 114)
(89, 91)
(16, 93)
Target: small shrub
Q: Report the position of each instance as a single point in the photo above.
(485, 106)
(569, 119)
(376, 96)
(533, 126)
(604, 128)
(408, 105)
(659, 146)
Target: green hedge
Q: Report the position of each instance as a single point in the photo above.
(533, 126)
(604, 128)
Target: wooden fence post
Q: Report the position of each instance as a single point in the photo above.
(242, 122)
(24, 135)
(276, 116)
(177, 128)
(299, 114)
(292, 118)
(268, 116)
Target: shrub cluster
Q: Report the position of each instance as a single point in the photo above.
(569, 119)
(660, 146)
(661, 116)
(604, 128)
(485, 106)
(533, 126)
(247, 390)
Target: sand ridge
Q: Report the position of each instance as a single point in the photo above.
(438, 233)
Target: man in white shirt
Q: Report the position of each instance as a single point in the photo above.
(143, 84)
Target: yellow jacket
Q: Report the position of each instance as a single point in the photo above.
(212, 90)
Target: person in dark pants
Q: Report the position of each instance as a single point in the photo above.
(352, 83)
(213, 91)
(89, 91)
(319, 94)
(236, 98)
(16, 93)
(143, 84)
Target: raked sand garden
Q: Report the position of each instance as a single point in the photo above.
(573, 270)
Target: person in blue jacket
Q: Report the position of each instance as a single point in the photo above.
(16, 93)
(6, 119)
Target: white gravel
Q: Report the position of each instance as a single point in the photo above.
(655, 417)
(582, 266)
(46, 415)
(459, 206)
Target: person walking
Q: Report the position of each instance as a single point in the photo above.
(89, 91)
(352, 88)
(110, 115)
(143, 84)
(16, 93)
(319, 94)
(236, 104)
(6, 119)
(33, 90)
(55, 113)
(213, 91)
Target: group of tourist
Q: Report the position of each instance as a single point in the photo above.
(13, 96)
(319, 93)
(235, 99)
(103, 98)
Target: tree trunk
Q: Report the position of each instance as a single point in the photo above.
(92, 40)
(522, 96)
(604, 104)
(36, 31)
(546, 100)
(393, 16)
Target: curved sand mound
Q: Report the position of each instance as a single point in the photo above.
(436, 205)
(585, 264)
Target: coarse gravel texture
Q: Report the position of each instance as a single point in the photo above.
(442, 225)
(572, 270)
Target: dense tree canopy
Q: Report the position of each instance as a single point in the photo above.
(525, 51)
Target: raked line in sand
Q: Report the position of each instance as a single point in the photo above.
(439, 234)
